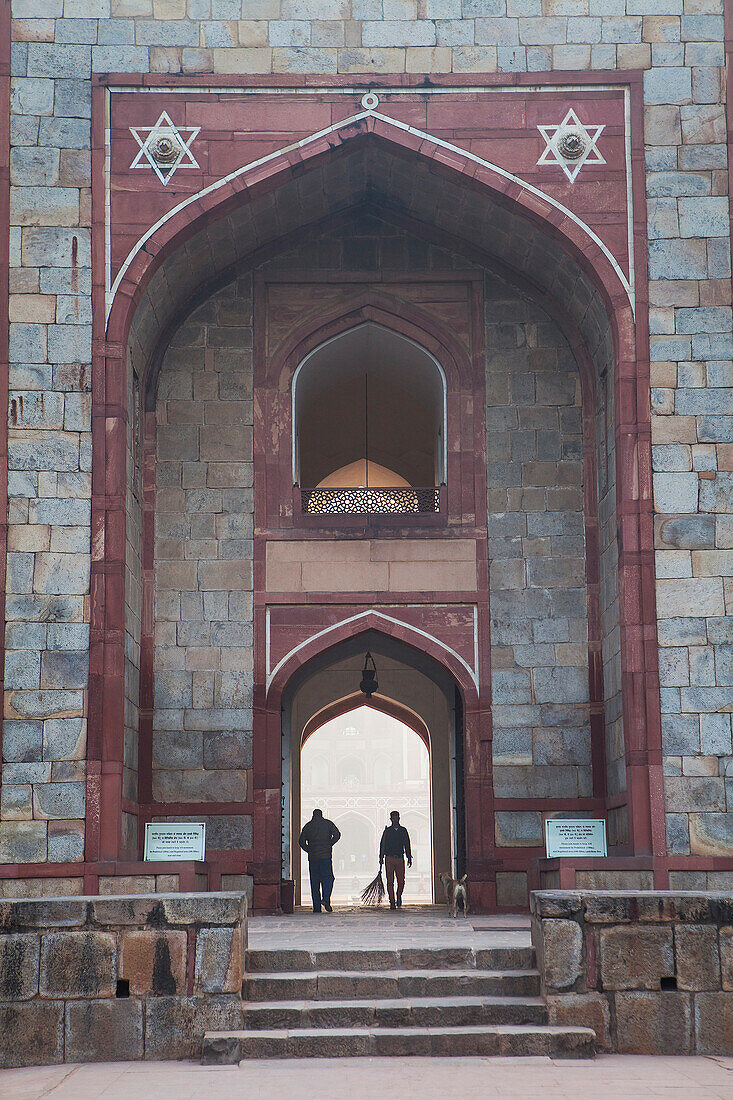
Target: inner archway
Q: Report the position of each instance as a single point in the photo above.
(357, 768)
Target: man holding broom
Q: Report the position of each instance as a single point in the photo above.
(395, 845)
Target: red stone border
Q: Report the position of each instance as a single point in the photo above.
(5, 19)
(636, 562)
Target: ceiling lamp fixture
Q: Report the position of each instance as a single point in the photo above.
(369, 677)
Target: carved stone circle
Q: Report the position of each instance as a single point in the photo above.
(165, 150)
(571, 145)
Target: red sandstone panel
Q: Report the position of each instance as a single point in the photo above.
(238, 128)
(291, 626)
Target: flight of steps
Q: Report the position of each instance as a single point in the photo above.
(429, 1001)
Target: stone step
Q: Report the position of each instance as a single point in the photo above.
(402, 1012)
(231, 1047)
(406, 958)
(389, 984)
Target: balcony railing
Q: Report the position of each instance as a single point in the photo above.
(377, 501)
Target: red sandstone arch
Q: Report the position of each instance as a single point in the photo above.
(636, 565)
(381, 703)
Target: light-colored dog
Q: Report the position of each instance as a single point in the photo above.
(455, 891)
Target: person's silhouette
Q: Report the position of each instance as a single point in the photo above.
(393, 848)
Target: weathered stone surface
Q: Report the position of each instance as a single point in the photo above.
(635, 957)
(583, 1010)
(32, 1033)
(19, 955)
(154, 961)
(562, 952)
(104, 1031)
(654, 1023)
(218, 960)
(78, 964)
(696, 956)
(725, 940)
(175, 1026)
(714, 1023)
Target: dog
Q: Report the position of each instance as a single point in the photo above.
(455, 891)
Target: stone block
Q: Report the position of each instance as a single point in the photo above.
(635, 957)
(19, 956)
(66, 841)
(22, 741)
(23, 842)
(653, 1023)
(218, 960)
(104, 1031)
(725, 940)
(714, 1023)
(711, 834)
(175, 1026)
(203, 909)
(59, 800)
(78, 964)
(154, 961)
(583, 1010)
(696, 956)
(562, 953)
(511, 889)
(33, 1034)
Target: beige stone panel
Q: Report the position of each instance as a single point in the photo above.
(224, 576)
(432, 577)
(36, 308)
(674, 429)
(371, 60)
(688, 597)
(176, 575)
(712, 563)
(428, 59)
(284, 577)
(316, 551)
(33, 30)
(423, 550)
(345, 577)
(249, 60)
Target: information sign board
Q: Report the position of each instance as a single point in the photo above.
(566, 836)
(175, 840)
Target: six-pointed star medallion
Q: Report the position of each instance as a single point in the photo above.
(164, 147)
(571, 145)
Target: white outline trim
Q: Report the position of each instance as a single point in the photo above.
(530, 188)
(363, 615)
(399, 336)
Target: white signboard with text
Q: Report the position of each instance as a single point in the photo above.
(175, 840)
(575, 837)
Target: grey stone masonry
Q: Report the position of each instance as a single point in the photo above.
(56, 47)
(90, 979)
(651, 972)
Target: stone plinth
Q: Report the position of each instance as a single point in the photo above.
(120, 977)
(650, 971)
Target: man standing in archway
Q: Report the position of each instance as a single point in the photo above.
(317, 838)
(394, 846)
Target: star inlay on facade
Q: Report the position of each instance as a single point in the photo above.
(164, 147)
(571, 145)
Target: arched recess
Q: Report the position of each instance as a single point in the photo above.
(519, 233)
(414, 688)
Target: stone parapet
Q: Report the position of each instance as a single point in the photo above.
(650, 971)
(118, 977)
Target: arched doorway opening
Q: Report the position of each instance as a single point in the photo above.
(358, 759)
(369, 412)
(358, 767)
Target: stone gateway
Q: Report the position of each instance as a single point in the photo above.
(348, 327)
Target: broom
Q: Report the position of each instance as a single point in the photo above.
(375, 891)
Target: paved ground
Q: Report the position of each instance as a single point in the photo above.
(611, 1077)
(413, 926)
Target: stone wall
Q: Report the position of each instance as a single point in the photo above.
(116, 978)
(537, 570)
(202, 717)
(651, 972)
(58, 44)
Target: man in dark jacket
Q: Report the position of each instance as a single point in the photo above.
(395, 845)
(317, 839)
